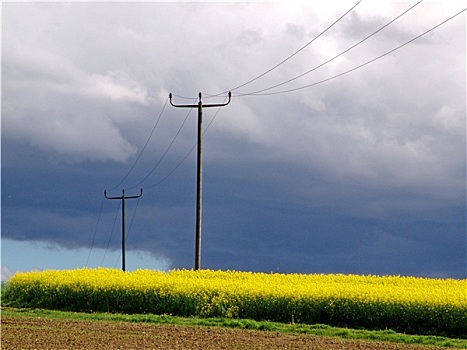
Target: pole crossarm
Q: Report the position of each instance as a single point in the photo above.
(122, 198)
(199, 181)
(204, 105)
(123, 195)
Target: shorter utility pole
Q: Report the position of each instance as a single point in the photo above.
(123, 197)
(199, 172)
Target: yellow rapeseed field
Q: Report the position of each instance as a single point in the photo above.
(408, 304)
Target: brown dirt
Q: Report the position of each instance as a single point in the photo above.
(47, 333)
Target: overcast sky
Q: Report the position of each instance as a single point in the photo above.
(364, 173)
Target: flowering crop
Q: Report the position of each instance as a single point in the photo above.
(405, 304)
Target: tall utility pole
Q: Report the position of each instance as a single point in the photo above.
(199, 181)
(123, 197)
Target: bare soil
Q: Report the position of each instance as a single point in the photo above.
(48, 333)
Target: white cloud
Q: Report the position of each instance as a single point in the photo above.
(54, 105)
(60, 85)
(117, 88)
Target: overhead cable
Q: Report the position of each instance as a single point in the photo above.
(187, 154)
(164, 154)
(144, 147)
(299, 50)
(357, 67)
(340, 54)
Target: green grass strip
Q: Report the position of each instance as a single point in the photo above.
(317, 329)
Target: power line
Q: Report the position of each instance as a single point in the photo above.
(357, 67)
(185, 97)
(213, 118)
(271, 69)
(188, 153)
(340, 54)
(293, 54)
(165, 152)
(174, 169)
(144, 147)
(239, 86)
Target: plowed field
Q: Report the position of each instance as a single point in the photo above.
(45, 333)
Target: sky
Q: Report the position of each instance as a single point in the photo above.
(340, 151)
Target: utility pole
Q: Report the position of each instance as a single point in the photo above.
(199, 181)
(123, 197)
